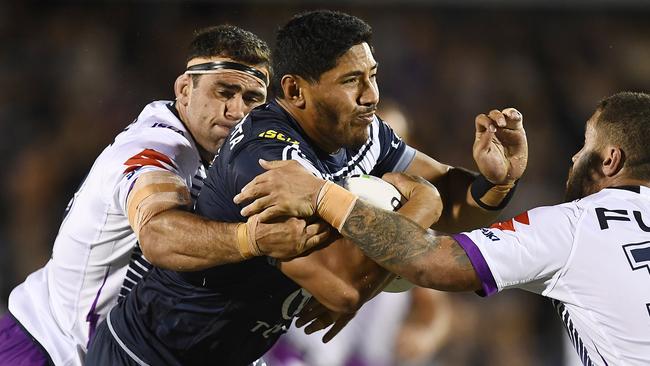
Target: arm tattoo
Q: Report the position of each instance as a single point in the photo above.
(395, 241)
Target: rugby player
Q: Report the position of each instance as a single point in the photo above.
(140, 190)
(324, 119)
(591, 255)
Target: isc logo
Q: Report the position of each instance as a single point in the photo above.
(272, 134)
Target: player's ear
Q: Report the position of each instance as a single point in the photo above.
(613, 161)
(182, 88)
(293, 90)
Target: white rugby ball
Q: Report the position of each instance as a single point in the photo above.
(382, 194)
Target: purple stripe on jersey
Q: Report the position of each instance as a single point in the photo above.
(480, 265)
(93, 317)
(17, 347)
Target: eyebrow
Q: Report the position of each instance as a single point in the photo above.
(238, 88)
(358, 72)
(234, 87)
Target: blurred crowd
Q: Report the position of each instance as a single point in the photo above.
(72, 75)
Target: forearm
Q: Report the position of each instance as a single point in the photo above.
(460, 212)
(181, 241)
(402, 247)
(340, 276)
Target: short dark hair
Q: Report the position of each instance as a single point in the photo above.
(311, 43)
(624, 120)
(231, 42)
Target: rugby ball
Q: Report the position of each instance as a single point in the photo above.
(382, 194)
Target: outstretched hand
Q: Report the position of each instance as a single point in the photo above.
(500, 148)
(285, 189)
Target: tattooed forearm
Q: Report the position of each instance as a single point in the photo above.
(386, 237)
(403, 247)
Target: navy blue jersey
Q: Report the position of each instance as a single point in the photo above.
(232, 314)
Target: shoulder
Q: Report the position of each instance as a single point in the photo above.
(156, 138)
(266, 130)
(270, 122)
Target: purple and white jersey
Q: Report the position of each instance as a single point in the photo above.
(591, 257)
(96, 258)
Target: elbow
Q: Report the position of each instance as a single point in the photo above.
(152, 247)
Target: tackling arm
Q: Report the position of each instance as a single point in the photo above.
(175, 239)
(397, 243)
(406, 249)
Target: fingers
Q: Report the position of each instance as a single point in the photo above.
(498, 118)
(404, 183)
(320, 323)
(271, 213)
(509, 118)
(257, 206)
(311, 311)
(514, 118)
(318, 233)
(254, 189)
(337, 327)
(484, 124)
(485, 128)
(395, 178)
(317, 227)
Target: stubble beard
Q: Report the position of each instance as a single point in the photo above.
(581, 181)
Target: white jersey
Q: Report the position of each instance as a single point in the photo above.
(591, 256)
(95, 257)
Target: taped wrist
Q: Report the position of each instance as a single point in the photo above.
(334, 204)
(153, 193)
(246, 241)
(490, 196)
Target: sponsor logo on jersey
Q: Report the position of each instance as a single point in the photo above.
(148, 157)
(605, 215)
(509, 225)
(164, 125)
(489, 234)
(272, 134)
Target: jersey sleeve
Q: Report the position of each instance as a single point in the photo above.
(162, 149)
(528, 251)
(394, 154)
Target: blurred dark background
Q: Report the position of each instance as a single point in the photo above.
(73, 74)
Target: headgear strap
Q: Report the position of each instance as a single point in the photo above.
(210, 67)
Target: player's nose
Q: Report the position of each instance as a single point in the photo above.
(235, 108)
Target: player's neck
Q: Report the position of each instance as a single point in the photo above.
(621, 181)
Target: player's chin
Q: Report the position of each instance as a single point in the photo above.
(215, 143)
